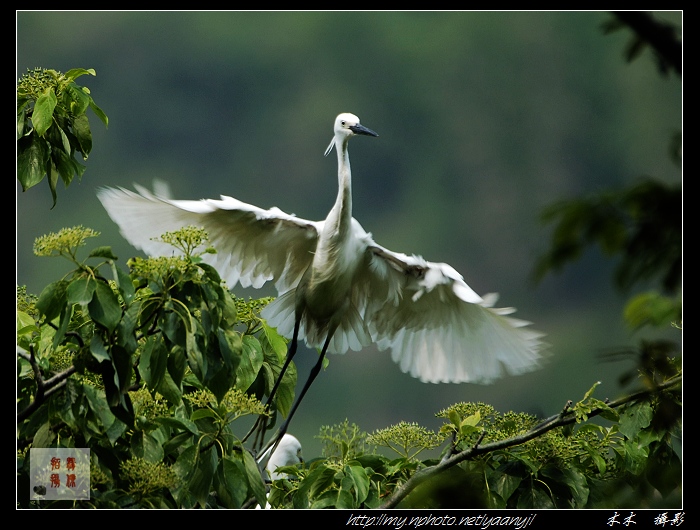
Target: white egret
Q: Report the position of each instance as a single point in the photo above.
(338, 289)
(287, 453)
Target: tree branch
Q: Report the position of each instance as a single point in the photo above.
(44, 388)
(565, 417)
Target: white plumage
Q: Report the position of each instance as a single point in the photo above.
(337, 281)
(287, 453)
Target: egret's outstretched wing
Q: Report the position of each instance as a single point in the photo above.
(438, 328)
(253, 245)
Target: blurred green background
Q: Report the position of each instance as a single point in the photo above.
(484, 118)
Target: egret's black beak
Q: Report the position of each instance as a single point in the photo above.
(361, 129)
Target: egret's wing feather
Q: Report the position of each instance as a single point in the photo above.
(438, 328)
(253, 245)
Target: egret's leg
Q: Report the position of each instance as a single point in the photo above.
(260, 426)
(312, 375)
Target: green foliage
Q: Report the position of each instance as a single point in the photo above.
(521, 464)
(663, 38)
(148, 369)
(342, 443)
(642, 224)
(653, 309)
(406, 439)
(52, 126)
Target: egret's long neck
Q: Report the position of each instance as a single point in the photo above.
(341, 214)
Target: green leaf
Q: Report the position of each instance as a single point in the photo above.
(180, 424)
(230, 483)
(79, 101)
(455, 418)
(344, 500)
(535, 498)
(53, 179)
(635, 418)
(317, 480)
(360, 481)
(176, 365)
(75, 73)
(169, 389)
(635, 457)
(121, 360)
(115, 431)
(221, 381)
(81, 290)
(196, 361)
(63, 324)
(230, 346)
(202, 413)
(65, 142)
(42, 117)
(573, 479)
(104, 307)
(608, 412)
(652, 308)
(184, 468)
(269, 338)
(173, 328)
(251, 360)
(52, 299)
(98, 405)
(102, 252)
(153, 362)
(67, 166)
(32, 158)
(99, 112)
(595, 455)
(44, 436)
(472, 420)
(590, 391)
(124, 283)
(98, 350)
(25, 324)
(200, 484)
(145, 446)
(21, 120)
(210, 272)
(255, 481)
(81, 129)
(504, 484)
(467, 430)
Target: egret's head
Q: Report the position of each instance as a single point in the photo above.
(288, 453)
(347, 125)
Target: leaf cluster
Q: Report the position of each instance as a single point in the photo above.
(648, 32)
(497, 460)
(641, 224)
(148, 367)
(52, 126)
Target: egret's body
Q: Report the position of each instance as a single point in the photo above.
(287, 453)
(338, 289)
